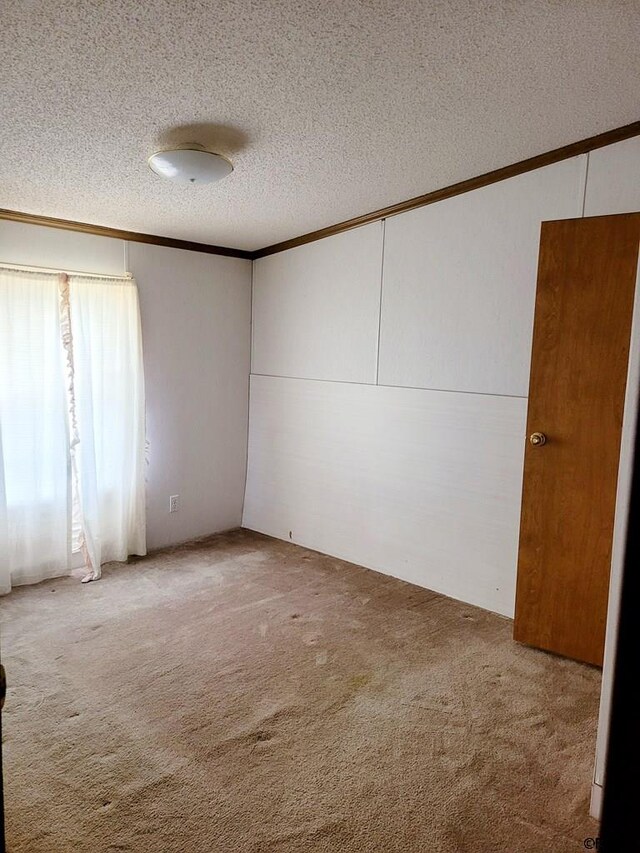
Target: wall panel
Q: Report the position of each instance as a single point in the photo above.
(460, 279)
(316, 308)
(613, 184)
(422, 485)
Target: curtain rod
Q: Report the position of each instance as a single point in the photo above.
(24, 268)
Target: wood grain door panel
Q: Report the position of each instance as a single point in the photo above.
(584, 304)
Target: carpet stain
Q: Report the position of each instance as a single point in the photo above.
(356, 682)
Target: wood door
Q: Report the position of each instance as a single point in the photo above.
(584, 303)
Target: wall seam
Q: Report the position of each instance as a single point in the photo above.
(246, 464)
(384, 234)
(586, 178)
(384, 385)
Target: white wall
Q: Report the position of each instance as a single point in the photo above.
(459, 283)
(52, 247)
(400, 480)
(196, 320)
(418, 475)
(613, 185)
(316, 308)
(196, 315)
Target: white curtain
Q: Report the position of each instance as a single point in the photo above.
(71, 423)
(35, 506)
(109, 409)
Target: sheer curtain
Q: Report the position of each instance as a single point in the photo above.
(109, 410)
(35, 507)
(71, 423)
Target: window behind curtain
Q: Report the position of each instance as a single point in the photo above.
(71, 401)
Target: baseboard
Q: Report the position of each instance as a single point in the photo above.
(596, 801)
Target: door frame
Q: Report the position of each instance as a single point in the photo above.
(620, 524)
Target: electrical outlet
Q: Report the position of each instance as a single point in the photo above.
(173, 503)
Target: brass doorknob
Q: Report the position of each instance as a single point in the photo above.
(538, 439)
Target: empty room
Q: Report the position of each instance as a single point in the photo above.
(319, 367)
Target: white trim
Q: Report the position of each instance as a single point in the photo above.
(586, 178)
(595, 809)
(619, 534)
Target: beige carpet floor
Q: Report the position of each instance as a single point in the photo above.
(240, 695)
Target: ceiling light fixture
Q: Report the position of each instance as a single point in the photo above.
(190, 165)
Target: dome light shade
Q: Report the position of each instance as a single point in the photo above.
(190, 166)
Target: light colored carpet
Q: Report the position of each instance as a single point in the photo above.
(243, 695)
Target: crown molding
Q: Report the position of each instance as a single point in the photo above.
(528, 165)
(119, 234)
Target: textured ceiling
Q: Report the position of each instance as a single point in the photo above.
(328, 109)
